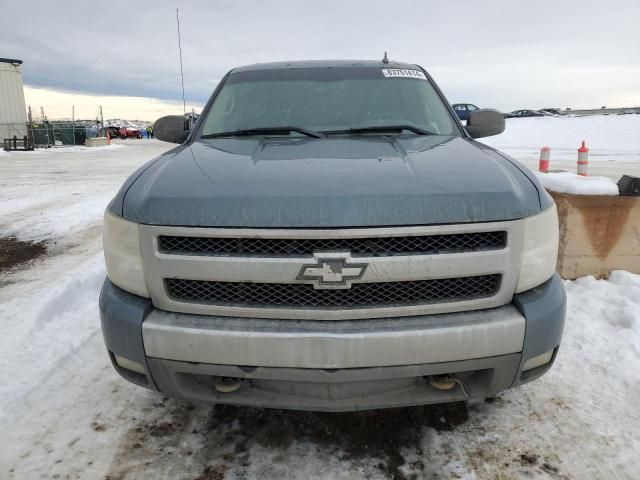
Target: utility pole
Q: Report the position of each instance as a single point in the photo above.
(184, 105)
(30, 126)
(73, 123)
(50, 141)
(101, 119)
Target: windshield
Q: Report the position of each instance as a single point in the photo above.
(326, 100)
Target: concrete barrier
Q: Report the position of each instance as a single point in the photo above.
(598, 234)
(96, 141)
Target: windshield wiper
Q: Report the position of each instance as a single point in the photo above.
(249, 132)
(380, 129)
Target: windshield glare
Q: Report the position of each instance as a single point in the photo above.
(326, 99)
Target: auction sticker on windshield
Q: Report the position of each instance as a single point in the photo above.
(403, 73)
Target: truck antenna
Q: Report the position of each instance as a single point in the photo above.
(385, 59)
(184, 105)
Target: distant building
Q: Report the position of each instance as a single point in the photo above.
(13, 114)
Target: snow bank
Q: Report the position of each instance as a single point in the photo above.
(566, 182)
(47, 322)
(613, 141)
(603, 133)
(609, 323)
(137, 124)
(71, 149)
(626, 279)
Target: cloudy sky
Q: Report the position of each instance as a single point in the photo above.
(495, 53)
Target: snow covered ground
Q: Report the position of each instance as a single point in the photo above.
(613, 140)
(66, 414)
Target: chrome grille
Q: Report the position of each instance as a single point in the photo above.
(255, 272)
(359, 295)
(374, 246)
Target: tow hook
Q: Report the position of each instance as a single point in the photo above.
(447, 382)
(227, 384)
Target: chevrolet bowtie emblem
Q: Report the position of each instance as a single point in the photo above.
(332, 270)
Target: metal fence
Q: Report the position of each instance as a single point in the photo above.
(15, 136)
(43, 134)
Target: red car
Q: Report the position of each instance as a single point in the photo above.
(130, 132)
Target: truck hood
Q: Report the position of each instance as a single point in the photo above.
(332, 182)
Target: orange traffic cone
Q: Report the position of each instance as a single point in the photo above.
(583, 160)
(545, 154)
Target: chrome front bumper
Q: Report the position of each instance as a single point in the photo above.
(333, 345)
(334, 366)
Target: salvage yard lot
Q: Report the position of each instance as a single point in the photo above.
(66, 414)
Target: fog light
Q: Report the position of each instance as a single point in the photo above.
(538, 361)
(129, 365)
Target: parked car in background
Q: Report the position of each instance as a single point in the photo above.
(463, 110)
(552, 111)
(112, 132)
(130, 132)
(526, 113)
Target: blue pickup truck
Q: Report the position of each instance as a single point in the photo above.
(328, 236)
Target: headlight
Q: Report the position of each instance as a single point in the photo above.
(122, 254)
(540, 250)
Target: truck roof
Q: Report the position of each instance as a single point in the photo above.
(324, 64)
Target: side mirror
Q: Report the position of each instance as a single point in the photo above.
(172, 128)
(484, 123)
